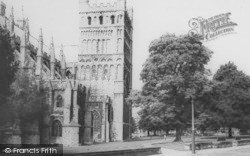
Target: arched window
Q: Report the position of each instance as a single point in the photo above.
(89, 20)
(105, 72)
(59, 101)
(57, 129)
(101, 20)
(94, 77)
(112, 19)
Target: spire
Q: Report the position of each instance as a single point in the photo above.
(52, 59)
(11, 22)
(63, 63)
(23, 48)
(27, 29)
(40, 44)
(52, 51)
(39, 55)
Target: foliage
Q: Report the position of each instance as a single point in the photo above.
(8, 68)
(28, 98)
(134, 125)
(231, 96)
(173, 73)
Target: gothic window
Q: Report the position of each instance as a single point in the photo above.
(57, 129)
(99, 72)
(93, 46)
(82, 73)
(94, 73)
(59, 101)
(119, 45)
(95, 20)
(111, 73)
(89, 46)
(101, 20)
(103, 45)
(99, 46)
(118, 72)
(68, 74)
(105, 72)
(84, 46)
(88, 73)
(108, 45)
(89, 20)
(112, 19)
(119, 18)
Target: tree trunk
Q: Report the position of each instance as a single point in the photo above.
(230, 132)
(154, 132)
(178, 135)
(148, 133)
(167, 131)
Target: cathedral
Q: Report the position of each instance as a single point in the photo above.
(86, 98)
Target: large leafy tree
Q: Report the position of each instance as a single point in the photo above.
(174, 73)
(27, 105)
(231, 96)
(149, 117)
(28, 98)
(8, 68)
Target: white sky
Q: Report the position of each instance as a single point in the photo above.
(152, 18)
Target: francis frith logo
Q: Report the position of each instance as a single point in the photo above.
(212, 27)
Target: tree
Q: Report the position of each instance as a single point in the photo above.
(134, 125)
(8, 68)
(173, 73)
(231, 96)
(28, 102)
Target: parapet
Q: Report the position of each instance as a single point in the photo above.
(101, 5)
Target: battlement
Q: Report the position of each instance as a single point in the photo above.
(101, 5)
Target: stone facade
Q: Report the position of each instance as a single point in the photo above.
(87, 97)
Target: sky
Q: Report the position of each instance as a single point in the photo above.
(152, 18)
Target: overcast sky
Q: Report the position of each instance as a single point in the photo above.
(152, 18)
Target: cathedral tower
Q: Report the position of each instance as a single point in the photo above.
(105, 59)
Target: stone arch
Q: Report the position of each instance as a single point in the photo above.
(118, 75)
(84, 46)
(89, 20)
(107, 19)
(99, 46)
(83, 73)
(112, 19)
(112, 72)
(108, 46)
(68, 74)
(105, 72)
(103, 60)
(59, 101)
(94, 74)
(56, 128)
(99, 71)
(119, 18)
(88, 72)
(103, 46)
(93, 48)
(101, 20)
(119, 45)
(95, 20)
(89, 46)
(119, 60)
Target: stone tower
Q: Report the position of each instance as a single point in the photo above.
(105, 59)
